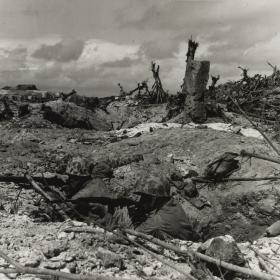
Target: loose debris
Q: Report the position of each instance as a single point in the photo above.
(128, 187)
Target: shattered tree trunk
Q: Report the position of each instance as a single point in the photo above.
(195, 82)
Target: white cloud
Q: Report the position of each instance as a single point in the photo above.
(266, 50)
(121, 37)
(97, 52)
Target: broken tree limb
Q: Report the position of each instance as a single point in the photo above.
(244, 73)
(274, 68)
(93, 230)
(234, 179)
(220, 263)
(191, 253)
(39, 190)
(157, 92)
(163, 261)
(255, 126)
(248, 154)
(71, 206)
(265, 267)
(192, 46)
(57, 180)
(265, 258)
(41, 271)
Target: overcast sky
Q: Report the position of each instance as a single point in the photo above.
(91, 45)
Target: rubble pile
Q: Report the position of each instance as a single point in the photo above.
(258, 96)
(39, 109)
(141, 186)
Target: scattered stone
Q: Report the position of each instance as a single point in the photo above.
(149, 271)
(31, 262)
(54, 265)
(273, 230)
(62, 235)
(29, 258)
(266, 206)
(72, 267)
(109, 259)
(236, 129)
(53, 248)
(78, 224)
(71, 236)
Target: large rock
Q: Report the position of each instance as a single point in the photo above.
(273, 230)
(223, 248)
(72, 116)
(53, 248)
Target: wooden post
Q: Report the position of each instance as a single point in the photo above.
(195, 82)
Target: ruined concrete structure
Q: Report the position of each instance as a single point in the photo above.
(194, 86)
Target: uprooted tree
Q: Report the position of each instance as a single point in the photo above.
(157, 93)
(122, 91)
(194, 85)
(212, 87)
(143, 86)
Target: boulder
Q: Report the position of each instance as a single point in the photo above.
(223, 248)
(273, 230)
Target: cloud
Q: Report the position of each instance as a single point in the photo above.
(98, 68)
(13, 59)
(94, 44)
(62, 51)
(121, 63)
(98, 52)
(161, 48)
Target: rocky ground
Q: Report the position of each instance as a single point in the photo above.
(30, 235)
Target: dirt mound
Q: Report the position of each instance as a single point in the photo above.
(73, 116)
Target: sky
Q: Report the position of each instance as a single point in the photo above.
(92, 45)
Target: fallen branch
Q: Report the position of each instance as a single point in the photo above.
(57, 180)
(234, 179)
(248, 154)
(38, 189)
(93, 230)
(255, 126)
(265, 258)
(265, 266)
(191, 253)
(228, 266)
(173, 266)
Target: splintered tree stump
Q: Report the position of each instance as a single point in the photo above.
(195, 82)
(192, 46)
